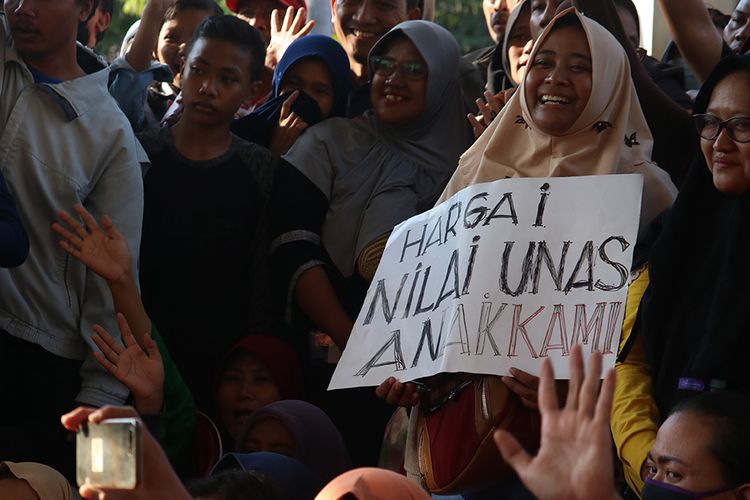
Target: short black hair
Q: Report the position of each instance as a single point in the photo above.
(107, 6)
(235, 485)
(630, 7)
(183, 5)
(238, 32)
(730, 443)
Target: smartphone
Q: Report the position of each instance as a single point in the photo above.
(108, 454)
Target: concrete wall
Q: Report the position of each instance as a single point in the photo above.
(654, 30)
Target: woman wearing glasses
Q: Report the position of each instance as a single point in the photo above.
(346, 183)
(691, 335)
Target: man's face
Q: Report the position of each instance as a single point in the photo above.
(41, 28)
(630, 26)
(496, 13)
(359, 24)
(257, 13)
(542, 12)
(738, 29)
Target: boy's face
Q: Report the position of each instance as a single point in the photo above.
(257, 13)
(175, 35)
(216, 81)
(42, 28)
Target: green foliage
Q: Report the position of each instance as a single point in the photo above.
(126, 12)
(121, 21)
(463, 18)
(132, 7)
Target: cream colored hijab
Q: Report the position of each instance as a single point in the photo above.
(610, 137)
(45, 481)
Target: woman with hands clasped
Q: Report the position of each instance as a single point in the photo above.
(141, 362)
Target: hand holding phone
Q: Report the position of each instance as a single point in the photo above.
(158, 479)
(108, 454)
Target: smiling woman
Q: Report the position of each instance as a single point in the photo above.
(346, 183)
(558, 83)
(399, 82)
(576, 113)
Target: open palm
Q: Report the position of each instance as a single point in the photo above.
(101, 248)
(574, 461)
(141, 371)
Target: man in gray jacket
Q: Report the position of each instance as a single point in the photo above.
(63, 140)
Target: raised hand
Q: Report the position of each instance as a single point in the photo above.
(101, 248)
(283, 33)
(289, 128)
(489, 107)
(140, 371)
(574, 461)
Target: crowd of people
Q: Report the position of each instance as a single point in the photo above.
(188, 232)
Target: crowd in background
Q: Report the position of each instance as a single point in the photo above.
(188, 232)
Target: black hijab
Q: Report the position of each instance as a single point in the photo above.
(693, 317)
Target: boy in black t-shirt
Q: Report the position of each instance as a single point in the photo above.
(204, 241)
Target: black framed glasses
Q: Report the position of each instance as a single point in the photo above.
(709, 127)
(386, 66)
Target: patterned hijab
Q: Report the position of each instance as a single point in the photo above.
(609, 137)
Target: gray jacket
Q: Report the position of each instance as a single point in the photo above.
(59, 145)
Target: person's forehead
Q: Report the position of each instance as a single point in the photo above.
(671, 438)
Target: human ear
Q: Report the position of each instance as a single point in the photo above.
(414, 14)
(85, 12)
(103, 22)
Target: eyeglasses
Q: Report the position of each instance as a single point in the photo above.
(709, 127)
(386, 66)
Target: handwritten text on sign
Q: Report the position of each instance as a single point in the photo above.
(501, 274)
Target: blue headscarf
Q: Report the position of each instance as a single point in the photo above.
(329, 51)
(290, 476)
(258, 125)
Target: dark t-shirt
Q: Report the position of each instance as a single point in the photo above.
(203, 251)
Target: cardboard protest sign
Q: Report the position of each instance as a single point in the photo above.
(502, 274)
